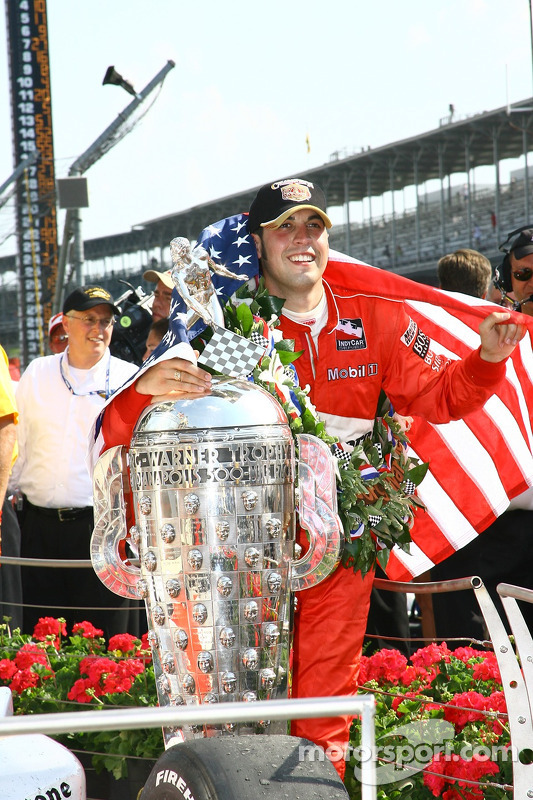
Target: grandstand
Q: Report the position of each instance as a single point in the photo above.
(409, 241)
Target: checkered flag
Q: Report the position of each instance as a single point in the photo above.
(231, 354)
(258, 339)
(409, 487)
(373, 520)
(341, 455)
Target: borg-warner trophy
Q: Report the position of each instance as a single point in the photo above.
(217, 486)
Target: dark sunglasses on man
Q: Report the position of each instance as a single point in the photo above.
(523, 274)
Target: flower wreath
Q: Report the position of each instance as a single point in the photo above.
(376, 481)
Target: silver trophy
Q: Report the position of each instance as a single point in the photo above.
(213, 488)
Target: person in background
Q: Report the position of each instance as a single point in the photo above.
(495, 295)
(466, 271)
(162, 292)
(155, 334)
(10, 578)
(515, 273)
(58, 398)
(57, 338)
(14, 368)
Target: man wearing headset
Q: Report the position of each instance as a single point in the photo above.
(515, 274)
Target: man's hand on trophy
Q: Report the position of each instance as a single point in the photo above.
(173, 377)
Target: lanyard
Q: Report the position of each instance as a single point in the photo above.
(105, 393)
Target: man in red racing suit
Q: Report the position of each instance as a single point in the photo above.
(353, 345)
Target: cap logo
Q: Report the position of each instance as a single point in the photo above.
(296, 193)
(97, 291)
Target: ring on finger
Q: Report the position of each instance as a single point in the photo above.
(177, 375)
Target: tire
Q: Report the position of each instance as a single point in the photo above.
(243, 768)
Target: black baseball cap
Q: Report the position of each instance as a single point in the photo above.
(87, 297)
(522, 246)
(274, 202)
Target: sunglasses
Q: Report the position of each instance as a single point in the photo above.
(523, 274)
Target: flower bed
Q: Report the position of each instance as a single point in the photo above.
(443, 714)
(455, 697)
(50, 672)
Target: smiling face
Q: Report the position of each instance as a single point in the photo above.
(522, 289)
(293, 259)
(89, 334)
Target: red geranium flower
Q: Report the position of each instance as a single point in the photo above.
(412, 674)
(23, 679)
(464, 654)
(387, 664)
(96, 668)
(469, 700)
(49, 626)
(431, 654)
(87, 629)
(30, 654)
(115, 683)
(488, 669)
(457, 767)
(7, 669)
(496, 702)
(79, 691)
(146, 649)
(124, 642)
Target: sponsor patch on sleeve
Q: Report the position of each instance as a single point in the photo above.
(421, 344)
(410, 333)
(414, 337)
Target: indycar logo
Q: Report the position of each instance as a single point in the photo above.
(350, 334)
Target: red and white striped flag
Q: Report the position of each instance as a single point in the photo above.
(477, 464)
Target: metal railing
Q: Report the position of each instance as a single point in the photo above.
(135, 718)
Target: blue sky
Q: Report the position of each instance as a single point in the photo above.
(251, 81)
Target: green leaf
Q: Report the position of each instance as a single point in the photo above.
(417, 474)
(243, 292)
(269, 306)
(245, 317)
(288, 356)
(285, 345)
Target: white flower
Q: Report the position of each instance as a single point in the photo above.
(275, 373)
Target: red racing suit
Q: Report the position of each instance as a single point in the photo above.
(368, 343)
